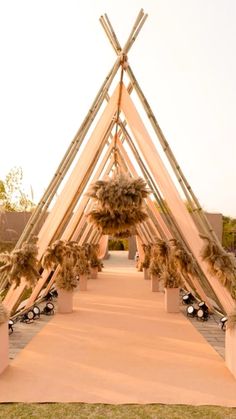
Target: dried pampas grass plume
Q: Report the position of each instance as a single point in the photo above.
(220, 263)
(118, 204)
(161, 251)
(147, 255)
(54, 254)
(171, 278)
(119, 193)
(112, 222)
(4, 316)
(21, 263)
(231, 322)
(182, 259)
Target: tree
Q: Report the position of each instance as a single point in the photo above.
(12, 194)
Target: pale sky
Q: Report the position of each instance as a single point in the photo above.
(55, 56)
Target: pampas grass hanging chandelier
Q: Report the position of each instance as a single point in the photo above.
(118, 204)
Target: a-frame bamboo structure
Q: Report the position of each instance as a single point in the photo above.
(120, 137)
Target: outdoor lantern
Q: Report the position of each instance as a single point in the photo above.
(188, 298)
(36, 311)
(223, 321)
(191, 311)
(49, 309)
(10, 326)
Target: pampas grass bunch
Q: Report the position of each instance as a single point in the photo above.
(94, 261)
(123, 234)
(66, 278)
(171, 277)
(220, 264)
(113, 222)
(147, 255)
(82, 263)
(161, 251)
(4, 316)
(155, 269)
(182, 259)
(119, 193)
(231, 322)
(21, 263)
(71, 260)
(118, 204)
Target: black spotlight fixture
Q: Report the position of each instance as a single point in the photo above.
(54, 293)
(188, 298)
(203, 306)
(202, 312)
(223, 322)
(28, 317)
(191, 311)
(36, 311)
(49, 296)
(10, 326)
(48, 309)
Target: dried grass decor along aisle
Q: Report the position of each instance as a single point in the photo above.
(4, 316)
(220, 263)
(93, 250)
(231, 323)
(71, 260)
(22, 263)
(118, 203)
(165, 264)
(182, 259)
(147, 255)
